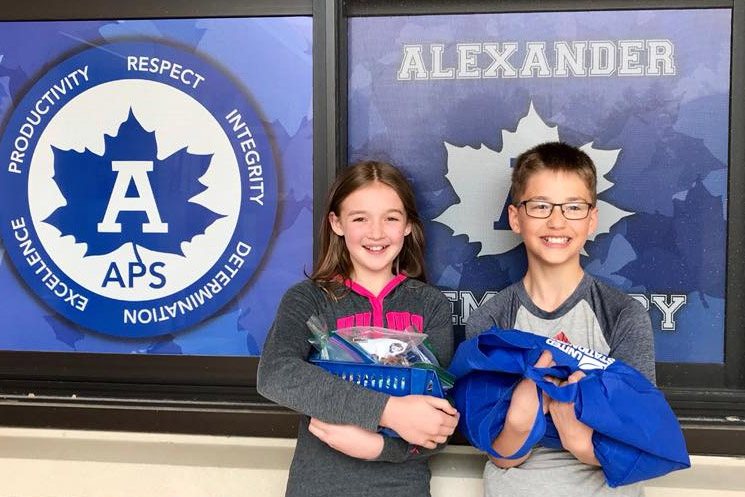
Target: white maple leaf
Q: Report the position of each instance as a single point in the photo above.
(481, 179)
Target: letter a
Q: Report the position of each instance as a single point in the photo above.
(412, 63)
(129, 171)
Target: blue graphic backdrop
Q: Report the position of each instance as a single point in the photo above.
(670, 134)
(259, 54)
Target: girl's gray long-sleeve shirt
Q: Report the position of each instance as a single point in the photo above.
(287, 378)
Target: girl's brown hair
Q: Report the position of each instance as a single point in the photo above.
(334, 264)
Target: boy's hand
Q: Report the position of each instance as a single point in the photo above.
(575, 436)
(520, 417)
(420, 419)
(348, 439)
(524, 403)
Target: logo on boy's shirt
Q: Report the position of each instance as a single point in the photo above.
(481, 179)
(589, 359)
(586, 358)
(140, 191)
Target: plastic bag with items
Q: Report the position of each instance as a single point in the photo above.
(394, 362)
(370, 345)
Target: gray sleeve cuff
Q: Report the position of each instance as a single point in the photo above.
(399, 450)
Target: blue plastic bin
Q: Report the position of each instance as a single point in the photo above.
(393, 380)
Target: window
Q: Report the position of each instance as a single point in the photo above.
(459, 85)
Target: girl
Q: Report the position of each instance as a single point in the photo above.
(370, 272)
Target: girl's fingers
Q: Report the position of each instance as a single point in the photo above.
(316, 430)
(442, 405)
(318, 423)
(440, 440)
(446, 430)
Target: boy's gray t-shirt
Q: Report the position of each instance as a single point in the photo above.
(596, 316)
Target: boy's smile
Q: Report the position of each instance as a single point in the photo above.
(554, 241)
(557, 240)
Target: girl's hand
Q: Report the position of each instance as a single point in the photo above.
(420, 419)
(575, 436)
(348, 439)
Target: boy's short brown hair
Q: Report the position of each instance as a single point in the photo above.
(554, 156)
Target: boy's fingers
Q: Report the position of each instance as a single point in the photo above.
(553, 379)
(545, 360)
(575, 377)
(546, 402)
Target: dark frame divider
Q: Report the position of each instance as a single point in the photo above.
(715, 417)
(364, 8)
(44, 10)
(212, 395)
(735, 312)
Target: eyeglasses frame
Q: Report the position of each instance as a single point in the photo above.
(554, 205)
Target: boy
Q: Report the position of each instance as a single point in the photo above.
(554, 210)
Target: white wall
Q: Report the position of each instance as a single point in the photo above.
(66, 463)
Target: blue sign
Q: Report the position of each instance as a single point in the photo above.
(140, 194)
(454, 99)
(142, 189)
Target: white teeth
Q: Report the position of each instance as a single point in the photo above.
(375, 248)
(557, 239)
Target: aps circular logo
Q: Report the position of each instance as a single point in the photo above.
(140, 191)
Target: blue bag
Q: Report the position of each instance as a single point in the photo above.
(636, 434)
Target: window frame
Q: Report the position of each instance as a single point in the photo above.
(217, 395)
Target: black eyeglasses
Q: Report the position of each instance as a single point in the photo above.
(541, 209)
